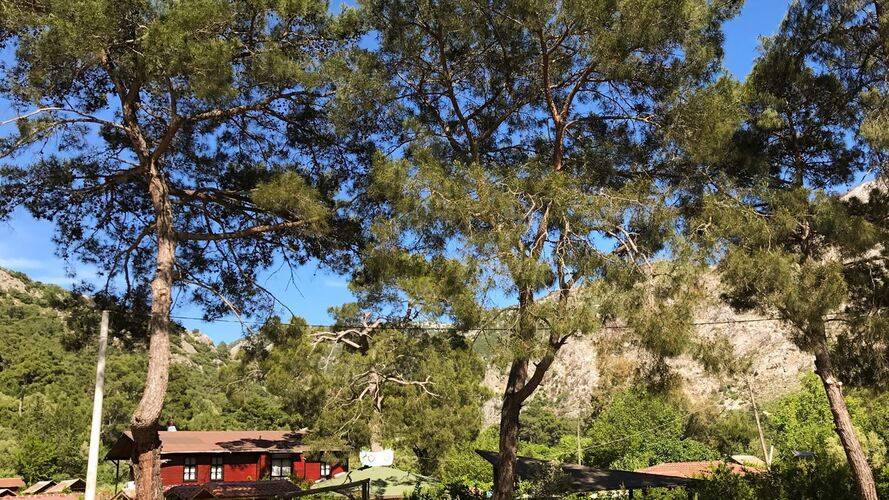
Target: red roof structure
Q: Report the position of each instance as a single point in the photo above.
(234, 489)
(192, 458)
(699, 469)
(72, 496)
(217, 442)
(11, 483)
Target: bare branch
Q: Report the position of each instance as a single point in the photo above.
(244, 233)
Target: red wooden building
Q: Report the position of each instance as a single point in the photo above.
(196, 457)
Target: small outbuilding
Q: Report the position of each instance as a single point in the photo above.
(67, 486)
(13, 484)
(39, 487)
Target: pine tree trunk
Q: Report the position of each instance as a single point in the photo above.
(375, 426)
(376, 431)
(861, 472)
(504, 472)
(144, 423)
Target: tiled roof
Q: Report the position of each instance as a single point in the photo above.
(11, 482)
(218, 442)
(232, 489)
(694, 469)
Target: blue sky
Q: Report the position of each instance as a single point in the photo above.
(26, 244)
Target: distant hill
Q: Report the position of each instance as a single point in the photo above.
(47, 372)
(30, 317)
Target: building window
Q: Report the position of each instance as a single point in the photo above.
(281, 468)
(216, 469)
(190, 470)
(325, 469)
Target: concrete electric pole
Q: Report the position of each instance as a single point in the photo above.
(92, 467)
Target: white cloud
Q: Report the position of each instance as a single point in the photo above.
(21, 264)
(332, 283)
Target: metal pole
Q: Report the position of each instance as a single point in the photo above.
(92, 467)
(762, 437)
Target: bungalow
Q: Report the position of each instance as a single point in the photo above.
(13, 484)
(196, 457)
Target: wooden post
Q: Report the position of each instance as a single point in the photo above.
(92, 467)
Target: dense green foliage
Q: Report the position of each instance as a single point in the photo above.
(282, 381)
(582, 161)
(45, 392)
(46, 386)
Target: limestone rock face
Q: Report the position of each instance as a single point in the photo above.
(201, 337)
(187, 348)
(9, 283)
(764, 345)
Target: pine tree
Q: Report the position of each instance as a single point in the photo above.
(179, 145)
(535, 167)
(794, 247)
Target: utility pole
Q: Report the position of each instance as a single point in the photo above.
(579, 450)
(766, 456)
(92, 467)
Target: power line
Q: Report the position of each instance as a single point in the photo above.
(450, 328)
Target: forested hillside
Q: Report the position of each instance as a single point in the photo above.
(282, 379)
(47, 372)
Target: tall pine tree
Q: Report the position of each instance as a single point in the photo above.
(179, 145)
(533, 169)
(794, 247)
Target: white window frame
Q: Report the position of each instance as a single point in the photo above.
(281, 467)
(325, 469)
(190, 470)
(216, 468)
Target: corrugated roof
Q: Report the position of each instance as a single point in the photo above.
(699, 469)
(67, 485)
(233, 489)
(580, 478)
(218, 442)
(38, 487)
(11, 482)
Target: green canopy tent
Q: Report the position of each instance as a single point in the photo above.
(385, 482)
